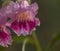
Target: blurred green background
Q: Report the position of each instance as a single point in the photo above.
(49, 14)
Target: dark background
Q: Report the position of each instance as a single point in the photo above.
(49, 14)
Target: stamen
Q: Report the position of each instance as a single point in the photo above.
(22, 16)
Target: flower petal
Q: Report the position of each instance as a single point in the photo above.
(11, 8)
(23, 28)
(34, 7)
(24, 3)
(15, 27)
(3, 19)
(37, 21)
(31, 25)
(5, 38)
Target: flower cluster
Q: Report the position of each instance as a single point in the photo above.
(22, 20)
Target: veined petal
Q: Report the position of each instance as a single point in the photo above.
(34, 7)
(24, 3)
(5, 38)
(23, 28)
(15, 27)
(37, 21)
(31, 25)
(3, 19)
(11, 9)
(13, 5)
(30, 14)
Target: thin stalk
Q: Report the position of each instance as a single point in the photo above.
(24, 44)
(36, 42)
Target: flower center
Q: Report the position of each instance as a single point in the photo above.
(22, 16)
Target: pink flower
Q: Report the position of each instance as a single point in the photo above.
(5, 37)
(23, 21)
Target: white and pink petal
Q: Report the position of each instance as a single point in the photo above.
(5, 38)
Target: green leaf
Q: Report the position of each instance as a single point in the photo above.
(55, 38)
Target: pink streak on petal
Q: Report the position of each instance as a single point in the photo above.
(31, 25)
(15, 27)
(5, 38)
(24, 28)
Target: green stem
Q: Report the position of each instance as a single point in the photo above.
(36, 43)
(24, 44)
